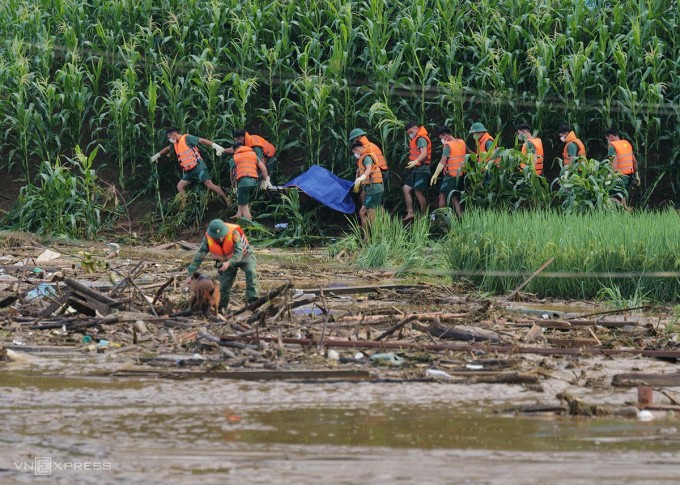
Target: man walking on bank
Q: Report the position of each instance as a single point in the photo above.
(418, 168)
(195, 169)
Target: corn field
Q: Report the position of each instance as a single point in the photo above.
(303, 73)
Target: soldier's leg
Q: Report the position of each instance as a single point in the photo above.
(226, 278)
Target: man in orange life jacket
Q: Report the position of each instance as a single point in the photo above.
(531, 146)
(483, 140)
(246, 163)
(370, 178)
(620, 152)
(229, 246)
(573, 147)
(453, 163)
(357, 134)
(418, 168)
(195, 169)
(265, 151)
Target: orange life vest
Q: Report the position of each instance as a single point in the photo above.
(456, 160)
(538, 154)
(245, 159)
(376, 174)
(375, 152)
(414, 149)
(481, 146)
(623, 162)
(571, 138)
(187, 156)
(268, 149)
(224, 251)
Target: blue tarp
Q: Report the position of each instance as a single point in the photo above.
(325, 187)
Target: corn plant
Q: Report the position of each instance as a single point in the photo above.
(66, 200)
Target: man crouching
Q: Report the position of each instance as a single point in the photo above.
(228, 245)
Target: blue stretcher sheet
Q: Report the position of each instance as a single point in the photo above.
(325, 187)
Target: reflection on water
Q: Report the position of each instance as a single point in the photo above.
(153, 431)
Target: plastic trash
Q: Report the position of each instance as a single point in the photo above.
(359, 356)
(437, 374)
(17, 342)
(103, 344)
(43, 289)
(389, 358)
(474, 366)
(87, 339)
(333, 355)
(47, 256)
(281, 225)
(645, 415)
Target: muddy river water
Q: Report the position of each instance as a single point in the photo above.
(75, 429)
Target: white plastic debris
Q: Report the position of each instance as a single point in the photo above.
(645, 415)
(474, 366)
(333, 355)
(437, 374)
(47, 256)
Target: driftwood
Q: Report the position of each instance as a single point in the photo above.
(372, 319)
(298, 375)
(353, 290)
(514, 294)
(396, 327)
(262, 300)
(636, 379)
(454, 334)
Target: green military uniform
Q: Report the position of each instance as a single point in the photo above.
(245, 260)
(200, 172)
(418, 178)
(374, 191)
(451, 183)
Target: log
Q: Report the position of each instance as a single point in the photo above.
(89, 292)
(298, 375)
(454, 334)
(419, 316)
(262, 300)
(352, 290)
(396, 327)
(656, 380)
(572, 343)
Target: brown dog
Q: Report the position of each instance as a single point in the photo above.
(205, 294)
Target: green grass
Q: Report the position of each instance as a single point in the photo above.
(595, 242)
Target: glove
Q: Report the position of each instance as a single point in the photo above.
(636, 179)
(266, 184)
(434, 178)
(155, 158)
(357, 183)
(412, 164)
(218, 149)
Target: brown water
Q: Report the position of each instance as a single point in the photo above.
(220, 431)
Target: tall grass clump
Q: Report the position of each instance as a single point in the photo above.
(391, 245)
(592, 242)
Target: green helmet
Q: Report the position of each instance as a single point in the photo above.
(217, 229)
(477, 128)
(356, 133)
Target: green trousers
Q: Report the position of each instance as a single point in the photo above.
(248, 266)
